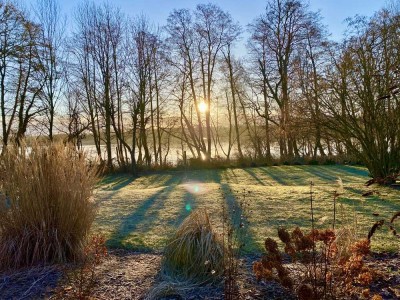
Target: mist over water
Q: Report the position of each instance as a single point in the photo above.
(175, 153)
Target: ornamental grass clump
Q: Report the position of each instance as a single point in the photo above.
(45, 204)
(195, 253)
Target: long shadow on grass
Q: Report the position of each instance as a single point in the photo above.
(354, 190)
(317, 172)
(339, 172)
(189, 203)
(113, 183)
(228, 175)
(237, 215)
(116, 182)
(252, 174)
(203, 176)
(346, 173)
(370, 205)
(141, 215)
(353, 171)
(161, 179)
(273, 174)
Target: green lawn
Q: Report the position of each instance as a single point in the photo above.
(141, 213)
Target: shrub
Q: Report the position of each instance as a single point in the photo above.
(45, 207)
(321, 275)
(329, 162)
(313, 162)
(80, 281)
(195, 252)
(330, 263)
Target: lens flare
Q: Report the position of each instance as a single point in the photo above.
(195, 187)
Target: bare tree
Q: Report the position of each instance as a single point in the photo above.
(85, 71)
(100, 34)
(310, 64)
(52, 39)
(12, 45)
(144, 68)
(362, 107)
(215, 30)
(274, 37)
(233, 79)
(185, 58)
(21, 72)
(197, 39)
(30, 79)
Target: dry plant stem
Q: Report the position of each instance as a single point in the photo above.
(83, 280)
(334, 209)
(233, 237)
(391, 226)
(314, 263)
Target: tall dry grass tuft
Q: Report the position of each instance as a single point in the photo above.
(45, 204)
(195, 253)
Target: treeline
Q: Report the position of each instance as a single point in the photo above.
(132, 86)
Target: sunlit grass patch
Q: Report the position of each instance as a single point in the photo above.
(142, 213)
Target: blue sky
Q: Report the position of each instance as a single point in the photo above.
(334, 12)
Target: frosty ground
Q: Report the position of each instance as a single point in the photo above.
(137, 216)
(142, 213)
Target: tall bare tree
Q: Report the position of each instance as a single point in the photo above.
(274, 37)
(363, 106)
(100, 34)
(198, 39)
(310, 64)
(11, 32)
(21, 72)
(48, 14)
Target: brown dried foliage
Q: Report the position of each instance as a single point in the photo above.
(323, 273)
(391, 226)
(270, 267)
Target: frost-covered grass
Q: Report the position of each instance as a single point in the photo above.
(141, 213)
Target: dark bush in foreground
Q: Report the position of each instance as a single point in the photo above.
(45, 205)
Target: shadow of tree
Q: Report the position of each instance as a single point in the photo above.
(315, 171)
(116, 182)
(354, 171)
(144, 214)
(252, 174)
(238, 215)
(276, 174)
(369, 205)
(189, 204)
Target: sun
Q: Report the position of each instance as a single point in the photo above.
(202, 107)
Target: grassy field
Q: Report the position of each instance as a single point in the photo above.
(141, 213)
